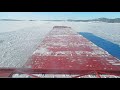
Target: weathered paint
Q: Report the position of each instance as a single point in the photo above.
(64, 49)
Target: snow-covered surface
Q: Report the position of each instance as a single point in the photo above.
(108, 31)
(17, 46)
(19, 39)
(62, 76)
(43, 76)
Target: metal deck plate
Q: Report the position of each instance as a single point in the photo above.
(65, 50)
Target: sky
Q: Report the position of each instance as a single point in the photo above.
(57, 15)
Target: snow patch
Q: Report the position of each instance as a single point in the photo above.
(41, 51)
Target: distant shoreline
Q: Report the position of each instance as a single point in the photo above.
(107, 20)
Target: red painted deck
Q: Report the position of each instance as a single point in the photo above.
(63, 50)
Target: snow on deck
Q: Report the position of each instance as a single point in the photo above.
(63, 49)
(62, 76)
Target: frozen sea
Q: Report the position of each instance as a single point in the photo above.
(19, 39)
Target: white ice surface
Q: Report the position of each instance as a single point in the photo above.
(17, 46)
(107, 31)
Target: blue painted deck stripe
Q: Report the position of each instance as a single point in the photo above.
(110, 47)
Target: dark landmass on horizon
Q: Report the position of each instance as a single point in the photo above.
(107, 20)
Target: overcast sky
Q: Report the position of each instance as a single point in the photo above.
(57, 15)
